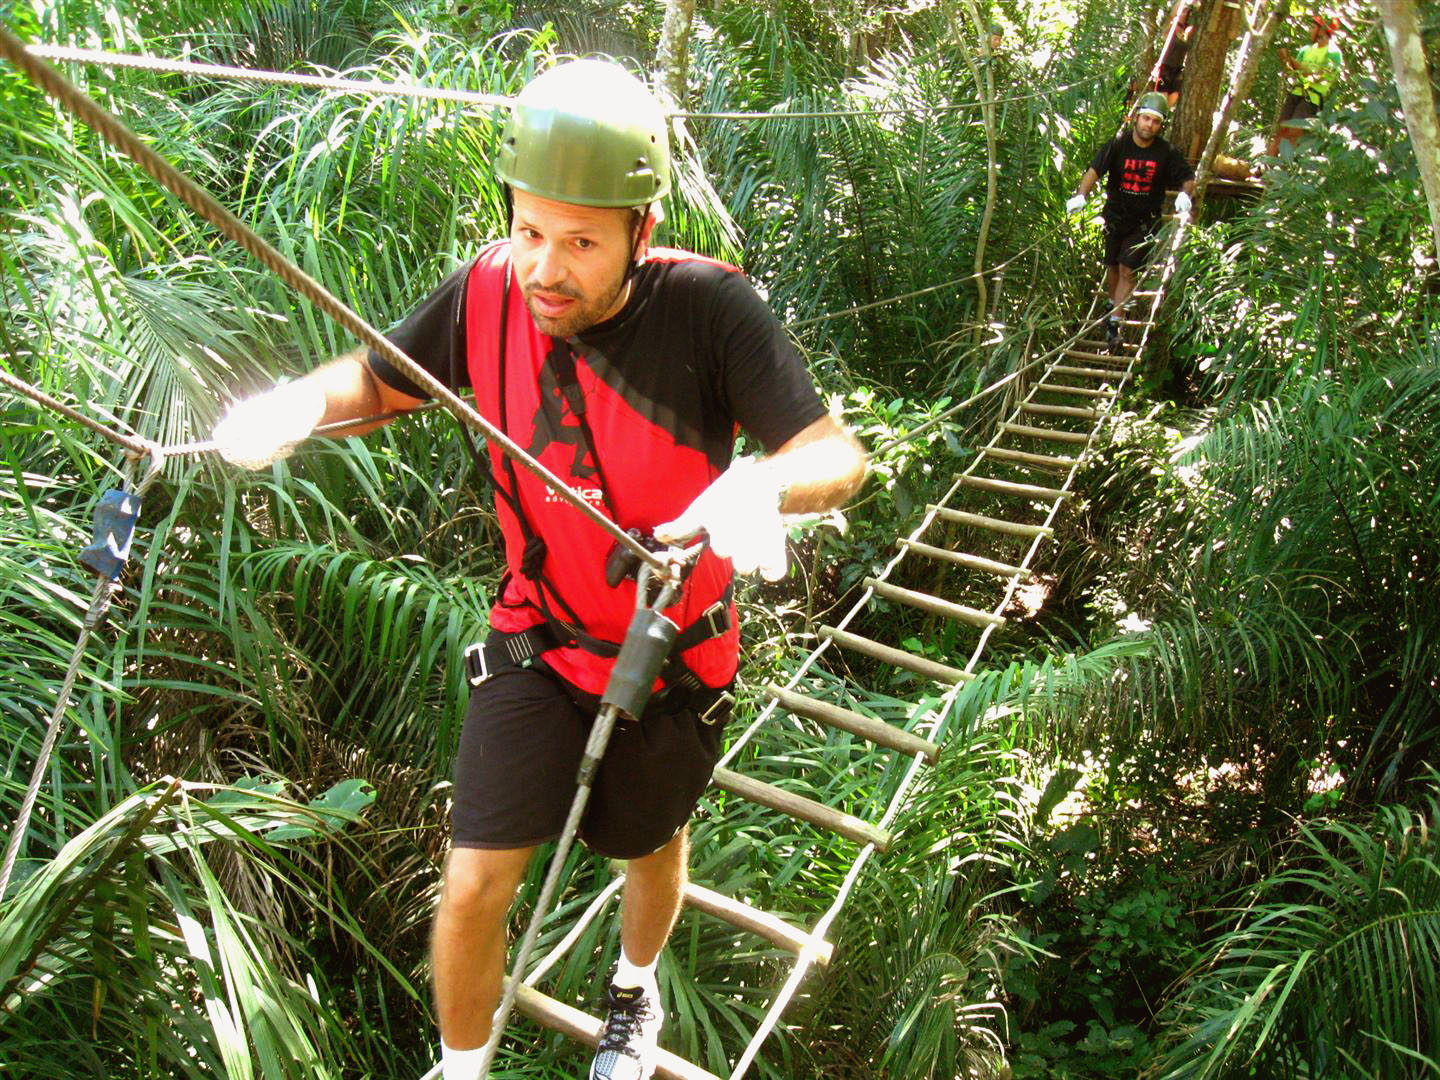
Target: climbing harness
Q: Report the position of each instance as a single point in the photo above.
(503, 650)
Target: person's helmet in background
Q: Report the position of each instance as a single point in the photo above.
(1153, 103)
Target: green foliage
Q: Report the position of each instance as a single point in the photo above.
(1332, 964)
(107, 948)
(929, 930)
(1241, 624)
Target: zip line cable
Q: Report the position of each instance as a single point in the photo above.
(391, 88)
(121, 138)
(797, 323)
(897, 111)
(378, 87)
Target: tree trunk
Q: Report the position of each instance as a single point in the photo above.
(1251, 50)
(1155, 24)
(672, 54)
(1412, 76)
(985, 88)
(1217, 22)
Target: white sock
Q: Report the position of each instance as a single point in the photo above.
(460, 1064)
(628, 975)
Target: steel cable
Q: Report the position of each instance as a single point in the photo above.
(381, 87)
(133, 443)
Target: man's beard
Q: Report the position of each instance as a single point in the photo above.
(582, 315)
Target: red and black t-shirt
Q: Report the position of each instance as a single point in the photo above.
(665, 382)
(1138, 177)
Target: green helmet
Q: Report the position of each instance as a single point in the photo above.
(586, 132)
(1153, 103)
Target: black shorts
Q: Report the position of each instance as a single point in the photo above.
(1169, 81)
(1129, 242)
(1298, 107)
(524, 734)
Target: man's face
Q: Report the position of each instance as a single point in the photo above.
(571, 261)
(1147, 126)
(1319, 32)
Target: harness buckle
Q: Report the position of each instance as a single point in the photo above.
(719, 708)
(477, 670)
(716, 617)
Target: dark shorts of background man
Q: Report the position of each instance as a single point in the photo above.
(1298, 107)
(1128, 242)
(1169, 81)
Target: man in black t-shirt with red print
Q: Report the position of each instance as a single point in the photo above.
(627, 371)
(1140, 167)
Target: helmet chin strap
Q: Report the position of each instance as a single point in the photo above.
(644, 212)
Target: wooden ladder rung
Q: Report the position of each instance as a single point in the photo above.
(1044, 461)
(1081, 391)
(1058, 410)
(797, 806)
(1087, 372)
(933, 604)
(760, 923)
(1044, 433)
(1101, 351)
(867, 727)
(1098, 357)
(1014, 528)
(931, 669)
(962, 558)
(581, 1026)
(1009, 487)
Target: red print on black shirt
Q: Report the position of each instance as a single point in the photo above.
(1139, 175)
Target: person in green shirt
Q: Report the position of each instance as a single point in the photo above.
(1313, 71)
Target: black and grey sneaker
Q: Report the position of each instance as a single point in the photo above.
(1112, 334)
(630, 1040)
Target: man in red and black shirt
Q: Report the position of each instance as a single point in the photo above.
(627, 371)
(1140, 167)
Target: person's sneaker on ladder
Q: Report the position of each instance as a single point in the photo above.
(630, 1042)
(1112, 330)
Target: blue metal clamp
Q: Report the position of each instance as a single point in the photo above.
(115, 517)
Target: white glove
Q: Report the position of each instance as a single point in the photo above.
(263, 429)
(741, 512)
(1077, 202)
(1182, 203)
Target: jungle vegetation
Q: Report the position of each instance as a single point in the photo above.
(1185, 825)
